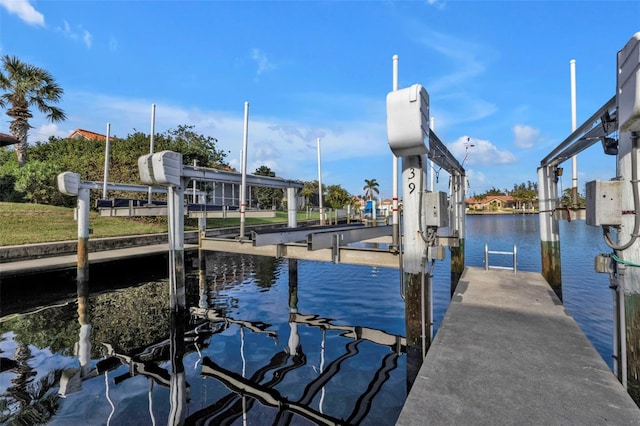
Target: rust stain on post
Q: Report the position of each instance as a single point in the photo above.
(82, 276)
(551, 267)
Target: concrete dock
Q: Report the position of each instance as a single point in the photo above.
(70, 261)
(507, 352)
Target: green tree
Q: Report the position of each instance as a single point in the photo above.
(37, 182)
(307, 191)
(370, 187)
(494, 191)
(263, 196)
(337, 197)
(25, 86)
(86, 157)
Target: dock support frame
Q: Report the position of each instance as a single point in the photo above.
(549, 230)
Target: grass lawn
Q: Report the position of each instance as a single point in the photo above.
(23, 223)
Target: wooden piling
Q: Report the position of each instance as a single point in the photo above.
(627, 246)
(457, 264)
(82, 276)
(549, 230)
(413, 183)
(177, 293)
(632, 319)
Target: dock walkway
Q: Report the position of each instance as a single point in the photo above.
(70, 261)
(507, 352)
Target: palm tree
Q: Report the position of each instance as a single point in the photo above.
(370, 187)
(24, 86)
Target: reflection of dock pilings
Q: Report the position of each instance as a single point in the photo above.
(264, 394)
(231, 407)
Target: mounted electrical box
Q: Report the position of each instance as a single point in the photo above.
(629, 85)
(436, 208)
(408, 120)
(604, 203)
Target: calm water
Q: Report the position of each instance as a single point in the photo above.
(323, 347)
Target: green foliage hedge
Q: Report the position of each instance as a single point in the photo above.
(36, 181)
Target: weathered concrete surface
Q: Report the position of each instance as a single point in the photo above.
(508, 353)
(57, 263)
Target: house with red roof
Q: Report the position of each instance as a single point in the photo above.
(87, 135)
(491, 202)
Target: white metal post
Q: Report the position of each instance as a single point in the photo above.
(152, 140)
(320, 185)
(292, 208)
(175, 212)
(549, 230)
(574, 159)
(106, 163)
(395, 229)
(243, 186)
(82, 276)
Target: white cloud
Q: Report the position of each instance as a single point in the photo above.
(80, 34)
(479, 152)
(287, 147)
(263, 62)
(113, 44)
(525, 136)
(438, 4)
(86, 38)
(468, 59)
(24, 10)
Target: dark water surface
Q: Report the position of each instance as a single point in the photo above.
(326, 347)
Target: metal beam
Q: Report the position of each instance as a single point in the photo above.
(439, 154)
(567, 149)
(325, 239)
(214, 175)
(291, 235)
(228, 214)
(348, 255)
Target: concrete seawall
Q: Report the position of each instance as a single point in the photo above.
(64, 248)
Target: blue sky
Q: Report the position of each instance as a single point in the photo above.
(497, 72)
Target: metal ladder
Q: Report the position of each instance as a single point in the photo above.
(514, 253)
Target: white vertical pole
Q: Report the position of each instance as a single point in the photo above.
(106, 163)
(432, 126)
(320, 185)
(394, 206)
(82, 276)
(152, 138)
(195, 163)
(292, 208)
(574, 159)
(243, 187)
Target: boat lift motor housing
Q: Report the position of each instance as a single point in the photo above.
(629, 84)
(162, 168)
(408, 121)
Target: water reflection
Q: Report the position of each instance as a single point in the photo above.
(110, 357)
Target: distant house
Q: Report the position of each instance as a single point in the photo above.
(87, 135)
(491, 202)
(6, 139)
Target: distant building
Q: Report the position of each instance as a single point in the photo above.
(491, 202)
(87, 135)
